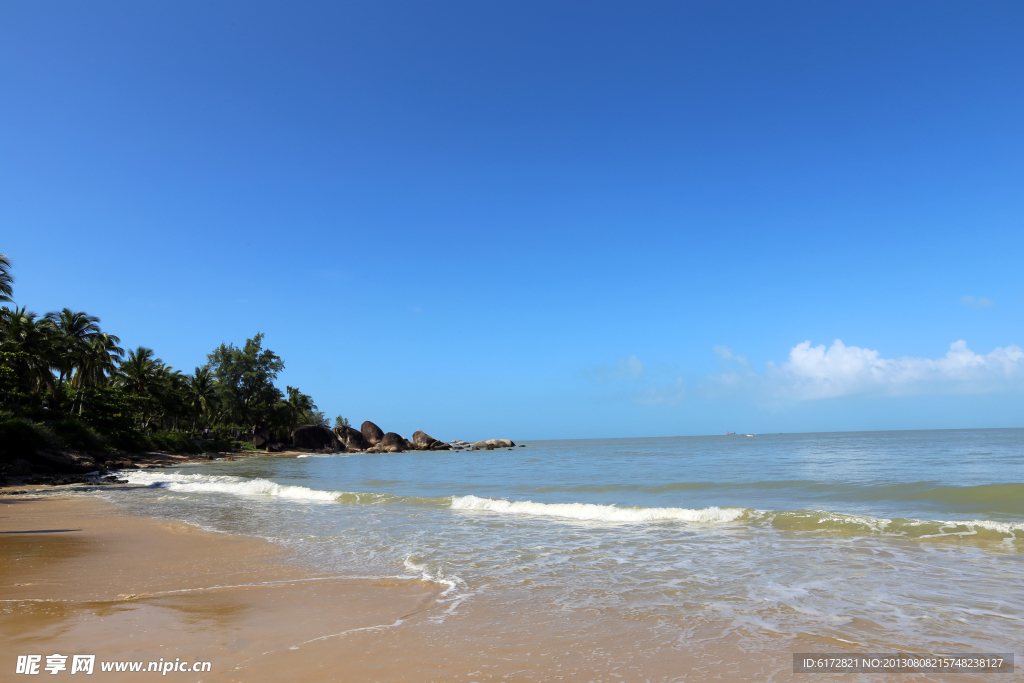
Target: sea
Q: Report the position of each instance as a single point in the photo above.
(882, 541)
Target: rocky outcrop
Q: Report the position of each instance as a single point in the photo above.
(315, 436)
(491, 444)
(422, 441)
(64, 462)
(260, 435)
(352, 438)
(394, 443)
(372, 434)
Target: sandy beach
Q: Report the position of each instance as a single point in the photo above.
(79, 577)
(76, 577)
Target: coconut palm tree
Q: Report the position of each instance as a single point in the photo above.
(74, 332)
(33, 338)
(301, 406)
(138, 372)
(97, 363)
(6, 279)
(202, 392)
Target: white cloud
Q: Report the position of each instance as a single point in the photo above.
(626, 368)
(977, 302)
(814, 372)
(725, 353)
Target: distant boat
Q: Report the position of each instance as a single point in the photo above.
(730, 433)
(748, 435)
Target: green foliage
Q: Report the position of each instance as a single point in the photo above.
(218, 446)
(114, 412)
(245, 380)
(6, 279)
(74, 434)
(341, 422)
(62, 370)
(175, 442)
(19, 439)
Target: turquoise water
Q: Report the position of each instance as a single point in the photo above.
(915, 535)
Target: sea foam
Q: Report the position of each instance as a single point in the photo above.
(601, 513)
(195, 483)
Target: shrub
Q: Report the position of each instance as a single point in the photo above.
(217, 446)
(174, 441)
(19, 439)
(70, 433)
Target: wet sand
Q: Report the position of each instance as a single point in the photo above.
(79, 577)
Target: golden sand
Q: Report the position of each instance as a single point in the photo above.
(78, 577)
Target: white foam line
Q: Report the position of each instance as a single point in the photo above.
(187, 483)
(263, 584)
(603, 513)
(379, 627)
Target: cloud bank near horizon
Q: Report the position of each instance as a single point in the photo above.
(817, 372)
(812, 373)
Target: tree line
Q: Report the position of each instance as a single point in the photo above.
(61, 369)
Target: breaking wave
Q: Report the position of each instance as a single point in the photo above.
(602, 513)
(799, 521)
(241, 486)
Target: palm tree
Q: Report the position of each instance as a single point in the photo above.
(97, 363)
(74, 333)
(6, 279)
(24, 333)
(301, 406)
(137, 373)
(202, 392)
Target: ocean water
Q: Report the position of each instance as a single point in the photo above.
(884, 540)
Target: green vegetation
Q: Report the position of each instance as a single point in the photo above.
(65, 383)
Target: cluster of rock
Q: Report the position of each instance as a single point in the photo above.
(491, 444)
(370, 438)
(69, 462)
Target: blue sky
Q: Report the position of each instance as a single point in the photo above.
(539, 220)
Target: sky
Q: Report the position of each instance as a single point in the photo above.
(536, 220)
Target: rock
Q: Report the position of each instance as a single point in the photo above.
(422, 441)
(491, 444)
(18, 468)
(440, 446)
(372, 434)
(274, 448)
(352, 438)
(260, 435)
(63, 462)
(315, 436)
(394, 443)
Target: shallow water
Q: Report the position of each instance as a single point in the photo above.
(910, 540)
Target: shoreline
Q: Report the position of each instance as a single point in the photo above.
(79, 575)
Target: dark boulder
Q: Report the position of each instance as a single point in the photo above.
(352, 438)
(315, 436)
(394, 443)
(63, 462)
(422, 441)
(440, 446)
(371, 433)
(260, 435)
